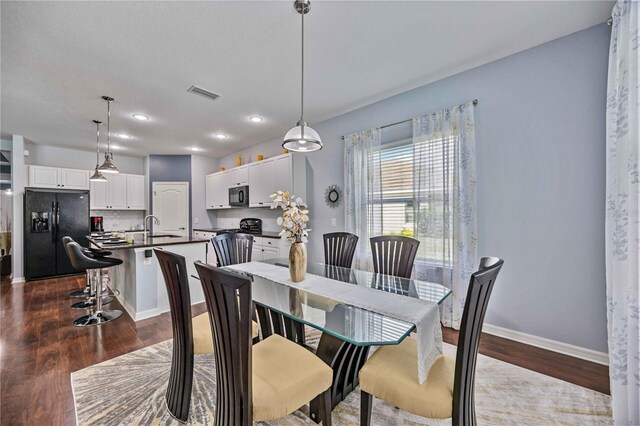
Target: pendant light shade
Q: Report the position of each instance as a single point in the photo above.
(302, 138)
(108, 166)
(97, 176)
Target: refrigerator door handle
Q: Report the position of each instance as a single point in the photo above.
(57, 219)
(53, 222)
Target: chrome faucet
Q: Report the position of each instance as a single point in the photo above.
(155, 219)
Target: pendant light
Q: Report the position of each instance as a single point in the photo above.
(302, 138)
(108, 166)
(97, 176)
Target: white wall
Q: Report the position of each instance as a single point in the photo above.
(17, 184)
(54, 156)
(540, 136)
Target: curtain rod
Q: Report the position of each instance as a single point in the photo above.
(475, 103)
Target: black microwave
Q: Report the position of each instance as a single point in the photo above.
(239, 196)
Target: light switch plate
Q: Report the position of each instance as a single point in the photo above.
(333, 221)
(195, 220)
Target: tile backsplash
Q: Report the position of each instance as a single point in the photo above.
(121, 220)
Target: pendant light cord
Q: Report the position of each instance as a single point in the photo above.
(97, 144)
(302, 74)
(109, 126)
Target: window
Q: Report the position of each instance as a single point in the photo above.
(402, 186)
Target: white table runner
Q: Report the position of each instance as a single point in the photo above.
(424, 314)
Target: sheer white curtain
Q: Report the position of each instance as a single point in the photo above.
(444, 203)
(623, 214)
(363, 191)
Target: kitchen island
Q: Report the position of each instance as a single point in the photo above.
(139, 280)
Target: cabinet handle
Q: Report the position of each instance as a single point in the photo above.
(261, 203)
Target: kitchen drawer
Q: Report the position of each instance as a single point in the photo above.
(257, 241)
(270, 242)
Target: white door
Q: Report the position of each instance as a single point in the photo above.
(117, 191)
(171, 207)
(44, 177)
(135, 192)
(74, 179)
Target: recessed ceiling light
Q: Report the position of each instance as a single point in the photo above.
(220, 136)
(194, 148)
(124, 136)
(256, 119)
(140, 117)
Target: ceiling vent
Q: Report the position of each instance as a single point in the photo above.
(203, 92)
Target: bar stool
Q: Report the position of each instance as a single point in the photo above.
(89, 290)
(80, 260)
(86, 292)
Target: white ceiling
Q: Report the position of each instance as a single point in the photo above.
(58, 58)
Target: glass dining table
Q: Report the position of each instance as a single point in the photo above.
(346, 331)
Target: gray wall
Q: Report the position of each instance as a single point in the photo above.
(53, 156)
(170, 168)
(540, 134)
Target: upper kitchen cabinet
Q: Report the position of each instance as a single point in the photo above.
(285, 172)
(58, 178)
(238, 176)
(209, 195)
(120, 192)
(135, 192)
(221, 183)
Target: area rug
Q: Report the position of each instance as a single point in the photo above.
(130, 389)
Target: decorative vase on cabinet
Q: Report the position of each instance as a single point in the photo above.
(297, 261)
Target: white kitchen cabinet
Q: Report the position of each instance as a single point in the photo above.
(56, 177)
(286, 172)
(44, 177)
(135, 192)
(99, 195)
(209, 188)
(267, 248)
(212, 259)
(261, 183)
(120, 192)
(74, 179)
(117, 191)
(221, 182)
(238, 176)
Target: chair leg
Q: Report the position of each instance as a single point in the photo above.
(365, 408)
(325, 407)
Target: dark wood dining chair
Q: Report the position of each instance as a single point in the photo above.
(232, 248)
(273, 378)
(339, 248)
(391, 373)
(394, 255)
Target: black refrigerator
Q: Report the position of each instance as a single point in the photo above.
(50, 215)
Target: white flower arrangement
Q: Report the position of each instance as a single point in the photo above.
(294, 217)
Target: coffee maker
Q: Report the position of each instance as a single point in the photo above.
(97, 224)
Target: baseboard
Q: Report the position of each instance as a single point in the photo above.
(544, 343)
(17, 280)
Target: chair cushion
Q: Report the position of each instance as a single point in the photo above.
(391, 374)
(202, 337)
(285, 377)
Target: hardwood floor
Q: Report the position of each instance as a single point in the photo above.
(39, 347)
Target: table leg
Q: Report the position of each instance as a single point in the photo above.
(346, 360)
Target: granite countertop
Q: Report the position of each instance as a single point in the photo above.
(265, 234)
(140, 242)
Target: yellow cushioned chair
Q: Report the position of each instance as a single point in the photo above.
(202, 338)
(391, 373)
(258, 382)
